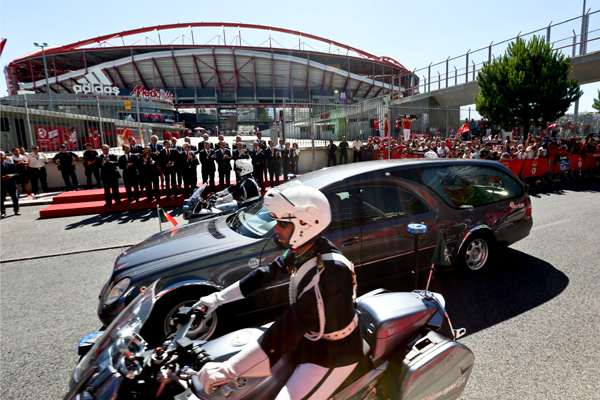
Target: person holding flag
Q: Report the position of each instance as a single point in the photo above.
(464, 129)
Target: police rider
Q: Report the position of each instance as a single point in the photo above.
(319, 329)
(246, 189)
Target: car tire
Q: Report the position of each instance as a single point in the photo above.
(476, 252)
(160, 325)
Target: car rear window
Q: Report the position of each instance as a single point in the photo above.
(463, 186)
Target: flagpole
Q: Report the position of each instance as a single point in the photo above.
(159, 221)
(429, 279)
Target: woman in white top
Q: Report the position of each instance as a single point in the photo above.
(21, 161)
(468, 153)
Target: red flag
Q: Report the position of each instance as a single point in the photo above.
(464, 128)
(166, 217)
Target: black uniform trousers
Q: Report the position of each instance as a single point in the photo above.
(330, 159)
(170, 180)
(357, 156)
(151, 184)
(208, 175)
(88, 174)
(285, 161)
(10, 187)
(70, 177)
(272, 165)
(111, 184)
(190, 180)
(34, 175)
(343, 156)
(224, 179)
(258, 175)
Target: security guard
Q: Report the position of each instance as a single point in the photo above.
(91, 166)
(246, 190)
(110, 176)
(320, 327)
(224, 163)
(66, 161)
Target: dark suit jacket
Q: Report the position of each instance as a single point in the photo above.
(131, 171)
(236, 155)
(137, 149)
(10, 169)
(258, 158)
(147, 168)
(189, 165)
(108, 171)
(165, 158)
(156, 147)
(207, 160)
(224, 164)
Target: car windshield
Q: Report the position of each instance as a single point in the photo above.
(254, 221)
(108, 348)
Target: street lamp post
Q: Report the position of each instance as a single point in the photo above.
(43, 45)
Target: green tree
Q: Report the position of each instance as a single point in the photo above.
(527, 85)
(596, 105)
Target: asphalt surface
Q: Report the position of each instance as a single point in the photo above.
(531, 319)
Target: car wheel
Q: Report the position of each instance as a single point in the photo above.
(161, 324)
(476, 252)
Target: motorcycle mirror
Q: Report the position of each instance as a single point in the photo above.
(458, 333)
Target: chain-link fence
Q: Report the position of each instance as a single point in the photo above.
(76, 122)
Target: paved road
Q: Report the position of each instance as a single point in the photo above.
(532, 319)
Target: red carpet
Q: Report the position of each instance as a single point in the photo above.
(92, 202)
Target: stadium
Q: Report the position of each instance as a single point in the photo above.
(226, 76)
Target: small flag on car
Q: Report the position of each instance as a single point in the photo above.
(441, 255)
(166, 217)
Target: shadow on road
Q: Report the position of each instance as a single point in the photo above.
(561, 189)
(123, 217)
(516, 283)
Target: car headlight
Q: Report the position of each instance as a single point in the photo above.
(117, 291)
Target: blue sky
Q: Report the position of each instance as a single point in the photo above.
(414, 33)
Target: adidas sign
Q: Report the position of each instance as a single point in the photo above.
(95, 82)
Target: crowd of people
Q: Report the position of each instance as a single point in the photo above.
(156, 166)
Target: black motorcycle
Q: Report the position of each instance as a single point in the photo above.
(404, 357)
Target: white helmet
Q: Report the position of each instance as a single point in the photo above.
(244, 166)
(431, 154)
(306, 207)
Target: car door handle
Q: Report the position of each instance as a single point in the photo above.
(350, 242)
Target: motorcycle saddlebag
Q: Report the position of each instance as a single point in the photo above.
(435, 368)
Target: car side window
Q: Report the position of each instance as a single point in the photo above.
(413, 205)
(380, 203)
(344, 209)
(471, 185)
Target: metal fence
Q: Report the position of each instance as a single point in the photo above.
(573, 37)
(72, 122)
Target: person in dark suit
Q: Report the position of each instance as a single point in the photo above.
(9, 183)
(240, 152)
(91, 166)
(262, 144)
(179, 166)
(207, 159)
(109, 175)
(205, 137)
(258, 162)
(224, 162)
(271, 160)
(134, 147)
(148, 167)
(169, 161)
(156, 148)
(129, 163)
(287, 155)
(190, 174)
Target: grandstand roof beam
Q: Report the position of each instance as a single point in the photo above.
(177, 68)
(377, 94)
(216, 69)
(235, 70)
(272, 73)
(357, 88)
(137, 70)
(159, 73)
(120, 77)
(198, 71)
(371, 88)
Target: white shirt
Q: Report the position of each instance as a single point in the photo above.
(19, 158)
(37, 160)
(356, 145)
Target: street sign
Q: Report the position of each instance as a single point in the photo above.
(128, 105)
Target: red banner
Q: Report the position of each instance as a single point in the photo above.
(534, 167)
(594, 160)
(91, 140)
(514, 166)
(578, 162)
(49, 138)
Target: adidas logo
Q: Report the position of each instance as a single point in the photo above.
(95, 82)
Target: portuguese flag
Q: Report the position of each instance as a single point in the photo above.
(166, 217)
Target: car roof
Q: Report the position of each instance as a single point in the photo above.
(325, 176)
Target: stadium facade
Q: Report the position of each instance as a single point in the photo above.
(174, 74)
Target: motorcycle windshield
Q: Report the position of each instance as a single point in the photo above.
(198, 193)
(118, 336)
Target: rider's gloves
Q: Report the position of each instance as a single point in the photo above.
(226, 198)
(251, 362)
(214, 300)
